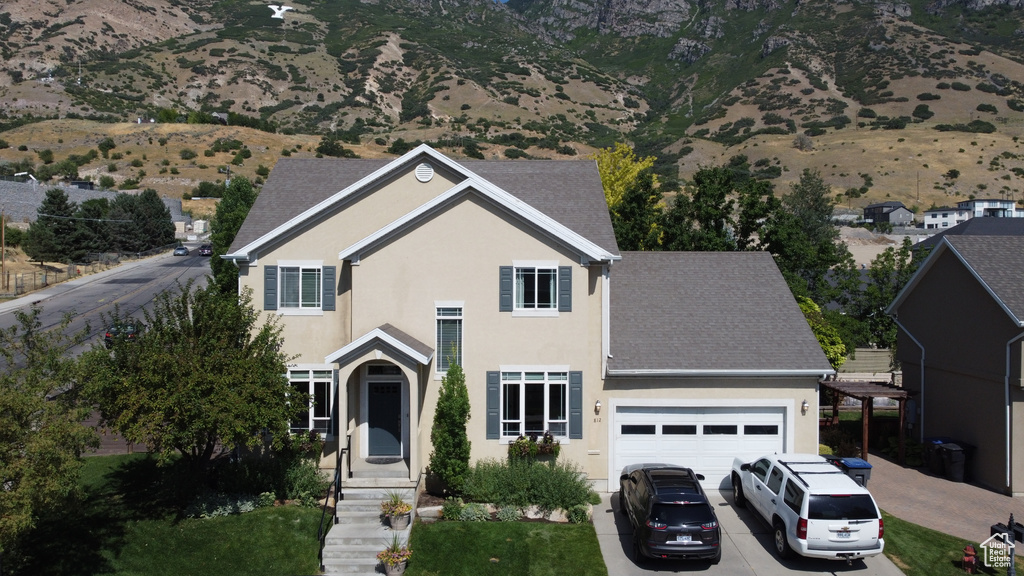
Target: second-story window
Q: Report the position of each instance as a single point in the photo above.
(449, 336)
(300, 287)
(536, 288)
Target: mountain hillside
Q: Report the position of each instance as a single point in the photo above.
(911, 84)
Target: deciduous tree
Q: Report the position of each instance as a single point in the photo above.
(203, 372)
(636, 221)
(41, 435)
(231, 212)
(619, 168)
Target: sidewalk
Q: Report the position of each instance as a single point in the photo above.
(956, 508)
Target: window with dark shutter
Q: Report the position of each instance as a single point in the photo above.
(270, 288)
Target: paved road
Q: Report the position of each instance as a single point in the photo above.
(130, 287)
(747, 547)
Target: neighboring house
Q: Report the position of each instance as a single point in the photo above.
(384, 272)
(991, 208)
(945, 217)
(961, 330)
(976, 227)
(894, 213)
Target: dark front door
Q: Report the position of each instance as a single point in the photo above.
(385, 418)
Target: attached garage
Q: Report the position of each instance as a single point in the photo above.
(705, 438)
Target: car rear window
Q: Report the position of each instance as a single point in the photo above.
(851, 507)
(677, 514)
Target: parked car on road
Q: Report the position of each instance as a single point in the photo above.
(206, 250)
(128, 332)
(814, 508)
(669, 512)
(181, 251)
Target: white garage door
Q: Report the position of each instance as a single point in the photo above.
(703, 438)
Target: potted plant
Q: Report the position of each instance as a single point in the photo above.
(529, 447)
(395, 556)
(396, 509)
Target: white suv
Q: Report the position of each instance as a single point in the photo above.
(813, 507)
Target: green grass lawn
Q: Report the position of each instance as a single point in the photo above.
(920, 551)
(505, 548)
(126, 527)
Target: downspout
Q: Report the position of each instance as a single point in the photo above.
(1008, 405)
(921, 346)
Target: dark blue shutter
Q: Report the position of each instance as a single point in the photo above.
(505, 289)
(493, 406)
(565, 288)
(575, 405)
(329, 286)
(270, 287)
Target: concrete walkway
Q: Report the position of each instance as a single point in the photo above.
(956, 508)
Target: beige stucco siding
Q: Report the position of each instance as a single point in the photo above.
(454, 257)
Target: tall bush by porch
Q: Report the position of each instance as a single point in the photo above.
(450, 458)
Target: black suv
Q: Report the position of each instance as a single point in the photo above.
(670, 513)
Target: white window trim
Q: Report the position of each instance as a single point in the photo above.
(502, 439)
(533, 312)
(332, 390)
(290, 311)
(438, 375)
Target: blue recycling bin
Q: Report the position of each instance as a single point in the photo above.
(858, 469)
(933, 456)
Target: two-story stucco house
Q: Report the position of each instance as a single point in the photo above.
(384, 272)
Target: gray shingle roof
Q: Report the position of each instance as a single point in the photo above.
(999, 263)
(569, 192)
(977, 227)
(717, 311)
(407, 340)
(21, 200)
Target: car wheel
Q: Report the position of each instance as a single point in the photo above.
(781, 543)
(737, 492)
(622, 501)
(638, 553)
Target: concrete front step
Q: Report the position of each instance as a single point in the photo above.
(351, 545)
(379, 483)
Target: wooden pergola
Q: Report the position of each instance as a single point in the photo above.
(866, 392)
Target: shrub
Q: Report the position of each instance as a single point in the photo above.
(987, 108)
(928, 96)
(187, 154)
(579, 514)
(212, 505)
(474, 512)
(509, 514)
(824, 450)
(107, 182)
(867, 113)
(13, 237)
(522, 483)
(961, 87)
(452, 508)
(923, 112)
(136, 163)
(4, 144)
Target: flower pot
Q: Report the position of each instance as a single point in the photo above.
(395, 570)
(398, 521)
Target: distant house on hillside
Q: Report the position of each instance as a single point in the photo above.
(945, 217)
(894, 213)
(991, 208)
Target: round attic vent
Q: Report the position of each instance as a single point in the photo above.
(424, 172)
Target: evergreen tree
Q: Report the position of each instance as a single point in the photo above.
(449, 459)
(636, 220)
(49, 236)
(153, 219)
(125, 231)
(803, 238)
(92, 233)
(231, 212)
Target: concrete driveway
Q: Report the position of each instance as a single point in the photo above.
(747, 547)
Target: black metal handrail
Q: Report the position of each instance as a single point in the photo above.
(336, 486)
